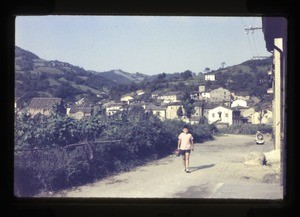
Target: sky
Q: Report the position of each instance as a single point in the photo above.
(145, 44)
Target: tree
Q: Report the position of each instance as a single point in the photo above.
(186, 74)
(162, 76)
(188, 105)
(206, 70)
(223, 64)
(180, 112)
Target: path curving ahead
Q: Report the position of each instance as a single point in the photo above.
(217, 171)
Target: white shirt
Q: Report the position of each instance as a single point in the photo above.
(186, 141)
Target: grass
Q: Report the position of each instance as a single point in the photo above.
(53, 82)
(84, 88)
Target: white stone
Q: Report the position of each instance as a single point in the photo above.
(273, 157)
(255, 158)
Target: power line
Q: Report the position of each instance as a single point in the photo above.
(254, 45)
(252, 29)
(245, 26)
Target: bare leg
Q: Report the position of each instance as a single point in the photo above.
(187, 160)
(184, 161)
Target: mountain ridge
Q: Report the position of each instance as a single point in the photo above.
(54, 78)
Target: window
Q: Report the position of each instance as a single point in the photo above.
(226, 115)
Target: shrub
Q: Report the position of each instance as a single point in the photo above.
(247, 129)
(53, 165)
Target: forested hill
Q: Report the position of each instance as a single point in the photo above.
(250, 76)
(37, 77)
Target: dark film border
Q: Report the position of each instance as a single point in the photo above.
(139, 207)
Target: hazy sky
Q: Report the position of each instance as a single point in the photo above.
(145, 44)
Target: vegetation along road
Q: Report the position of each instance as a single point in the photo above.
(218, 170)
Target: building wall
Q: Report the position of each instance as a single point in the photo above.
(39, 111)
(171, 111)
(277, 94)
(113, 109)
(219, 95)
(160, 113)
(210, 77)
(201, 88)
(170, 98)
(197, 111)
(205, 95)
(126, 98)
(266, 119)
(239, 102)
(213, 116)
(77, 115)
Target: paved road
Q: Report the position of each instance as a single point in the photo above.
(217, 171)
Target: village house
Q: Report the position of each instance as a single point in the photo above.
(159, 111)
(220, 95)
(197, 110)
(44, 105)
(155, 94)
(210, 77)
(171, 97)
(171, 111)
(204, 96)
(265, 117)
(127, 98)
(241, 95)
(140, 92)
(222, 116)
(113, 108)
(101, 94)
(201, 88)
(270, 90)
(106, 103)
(80, 102)
(247, 114)
(79, 112)
(239, 103)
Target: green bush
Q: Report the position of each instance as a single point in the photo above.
(247, 129)
(55, 166)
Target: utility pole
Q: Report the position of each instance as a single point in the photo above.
(251, 28)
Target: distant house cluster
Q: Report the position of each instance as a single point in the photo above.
(219, 106)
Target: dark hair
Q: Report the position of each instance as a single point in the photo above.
(185, 126)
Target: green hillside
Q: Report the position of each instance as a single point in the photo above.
(35, 77)
(248, 77)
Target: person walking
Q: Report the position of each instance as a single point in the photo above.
(185, 145)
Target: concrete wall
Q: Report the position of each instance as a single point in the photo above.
(219, 95)
(171, 111)
(226, 115)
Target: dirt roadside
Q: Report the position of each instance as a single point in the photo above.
(217, 171)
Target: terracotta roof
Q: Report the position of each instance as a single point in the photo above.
(44, 103)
